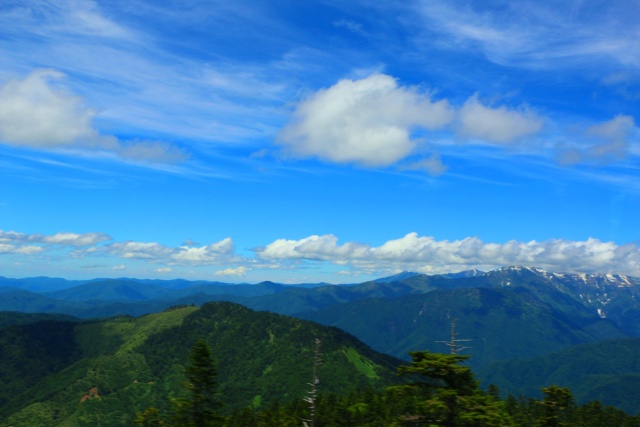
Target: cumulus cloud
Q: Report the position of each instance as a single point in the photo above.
(496, 125)
(367, 121)
(38, 112)
(21, 250)
(373, 122)
(411, 252)
(85, 245)
(324, 248)
(75, 239)
(12, 242)
(238, 271)
(204, 254)
(33, 112)
(376, 122)
(428, 255)
(138, 250)
(63, 238)
(214, 253)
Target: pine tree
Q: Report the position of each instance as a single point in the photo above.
(557, 405)
(201, 408)
(448, 394)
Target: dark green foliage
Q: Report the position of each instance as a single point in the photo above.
(150, 418)
(448, 394)
(488, 317)
(137, 363)
(202, 407)
(399, 408)
(558, 407)
(268, 354)
(11, 318)
(31, 352)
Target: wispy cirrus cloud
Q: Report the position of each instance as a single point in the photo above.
(540, 34)
(138, 78)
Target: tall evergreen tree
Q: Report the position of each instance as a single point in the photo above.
(201, 408)
(448, 394)
(557, 406)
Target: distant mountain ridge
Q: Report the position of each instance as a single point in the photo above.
(609, 295)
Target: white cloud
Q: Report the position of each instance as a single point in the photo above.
(38, 112)
(603, 142)
(204, 254)
(238, 271)
(425, 254)
(313, 247)
(617, 128)
(74, 239)
(496, 125)
(432, 165)
(138, 250)
(410, 252)
(86, 19)
(21, 250)
(163, 270)
(372, 122)
(85, 245)
(367, 121)
(153, 252)
(35, 113)
(538, 34)
(63, 238)
(614, 135)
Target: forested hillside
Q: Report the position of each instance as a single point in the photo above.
(520, 325)
(59, 373)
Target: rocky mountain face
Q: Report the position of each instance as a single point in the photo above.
(612, 296)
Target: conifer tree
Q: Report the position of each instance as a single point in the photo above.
(201, 408)
(557, 403)
(448, 394)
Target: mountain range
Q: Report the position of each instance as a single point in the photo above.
(515, 319)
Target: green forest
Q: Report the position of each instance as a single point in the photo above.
(441, 391)
(226, 365)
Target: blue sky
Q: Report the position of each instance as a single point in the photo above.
(319, 140)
